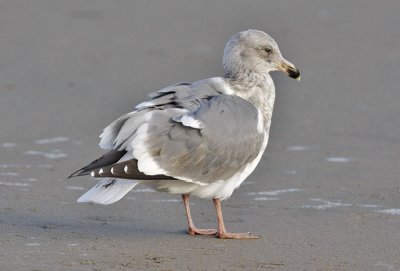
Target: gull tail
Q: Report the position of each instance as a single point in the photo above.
(108, 191)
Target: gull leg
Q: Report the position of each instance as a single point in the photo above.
(222, 233)
(192, 228)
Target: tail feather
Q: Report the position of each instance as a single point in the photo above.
(108, 191)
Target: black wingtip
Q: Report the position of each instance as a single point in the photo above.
(107, 159)
(78, 173)
(71, 176)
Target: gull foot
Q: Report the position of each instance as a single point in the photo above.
(238, 236)
(202, 231)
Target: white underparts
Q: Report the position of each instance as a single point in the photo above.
(223, 189)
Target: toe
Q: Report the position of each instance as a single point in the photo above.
(202, 231)
(238, 236)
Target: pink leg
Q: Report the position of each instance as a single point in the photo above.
(192, 228)
(222, 233)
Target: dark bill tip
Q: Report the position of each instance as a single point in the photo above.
(290, 70)
(295, 74)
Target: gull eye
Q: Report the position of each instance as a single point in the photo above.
(268, 50)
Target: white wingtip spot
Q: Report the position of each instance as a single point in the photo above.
(92, 173)
(112, 170)
(126, 169)
(101, 171)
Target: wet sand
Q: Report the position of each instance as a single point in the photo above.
(326, 195)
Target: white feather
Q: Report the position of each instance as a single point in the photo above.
(121, 129)
(146, 162)
(144, 104)
(222, 85)
(189, 121)
(110, 133)
(108, 191)
(129, 129)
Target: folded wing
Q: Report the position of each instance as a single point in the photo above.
(191, 132)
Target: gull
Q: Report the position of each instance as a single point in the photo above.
(202, 139)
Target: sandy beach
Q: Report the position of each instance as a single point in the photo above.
(325, 196)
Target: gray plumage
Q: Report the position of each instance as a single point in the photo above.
(201, 138)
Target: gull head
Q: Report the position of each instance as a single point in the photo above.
(253, 53)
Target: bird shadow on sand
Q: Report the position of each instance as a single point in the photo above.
(85, 226)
